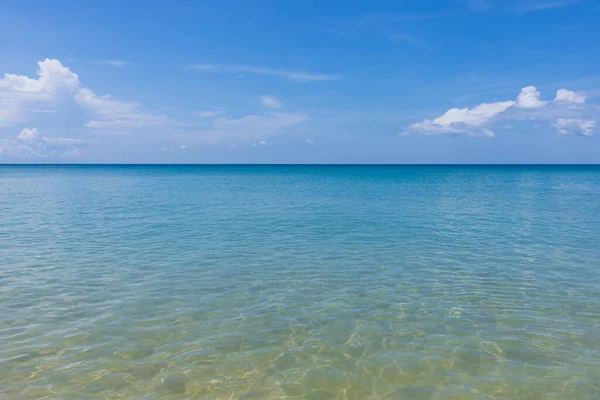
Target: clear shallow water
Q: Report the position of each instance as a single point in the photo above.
(300, 282)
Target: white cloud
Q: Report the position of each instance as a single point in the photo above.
(115, 113)
(116, 63)
(248, 129)
(568, 126)
(570, 96)
(56, 85)
(473, 117)
(14, 105)
(282, 73)
(104, 105)
(203, 67)
(28, 135)
(428, 127)
(52, 77)
(28, 144)
(530, 98)
(457, 120)
(271, 123)
(487, 133)
(19, 91)
(18, 149)
(528, 107)
(66, 141)
(270, 101)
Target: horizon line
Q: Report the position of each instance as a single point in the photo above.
(307, 164)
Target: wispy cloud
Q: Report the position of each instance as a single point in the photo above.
(210, 113)
(520, 6)
(114, 113)
(115, 63)
(271, 102)
(203, 67)
(282, 73)
(539, 5)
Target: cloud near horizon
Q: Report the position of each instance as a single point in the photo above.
(567, 113)
(29, 143)
(56, 85)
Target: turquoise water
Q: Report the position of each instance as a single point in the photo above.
(174, 282)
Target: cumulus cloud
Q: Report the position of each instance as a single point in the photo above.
(28, 143)
(271, 102)
(18, 149)
(568, 126)
(56, 86)
(474, 117)
(530, 98)
(455, 120)
(55, 79)
(569, 96)
(52, 77)
(567, 110)
(28, 135)
(17, 92)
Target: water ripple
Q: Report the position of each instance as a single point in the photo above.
(300, 282)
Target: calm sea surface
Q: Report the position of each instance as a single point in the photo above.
(206, 282)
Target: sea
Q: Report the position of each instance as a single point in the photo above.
(299, 282)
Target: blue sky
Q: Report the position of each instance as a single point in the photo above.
(473, 81)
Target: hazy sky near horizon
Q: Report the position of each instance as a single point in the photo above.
(253, 81)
